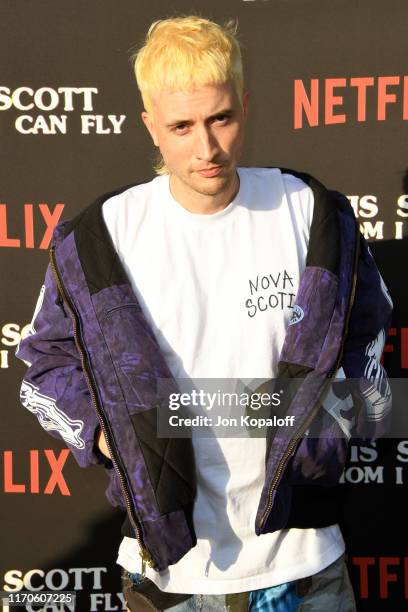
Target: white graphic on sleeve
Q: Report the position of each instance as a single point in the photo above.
(385, 291)
(384, 288)
(336, 407)
(378, 395)
(31, 329)
(50, 416)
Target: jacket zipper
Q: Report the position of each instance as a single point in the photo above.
(309, 419)
(144, 553)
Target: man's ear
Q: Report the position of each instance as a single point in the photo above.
(149, 123)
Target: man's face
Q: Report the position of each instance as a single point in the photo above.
(200, 136)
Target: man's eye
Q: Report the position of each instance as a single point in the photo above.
(221, 118)
(181, 128)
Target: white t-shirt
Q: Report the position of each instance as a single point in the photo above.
(218, 291)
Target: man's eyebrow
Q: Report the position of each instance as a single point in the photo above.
(177, 122)
(223, 111)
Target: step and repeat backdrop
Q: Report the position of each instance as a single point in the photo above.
(328, 87)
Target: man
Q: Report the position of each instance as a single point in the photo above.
(212, 271)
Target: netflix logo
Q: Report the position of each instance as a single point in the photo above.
(36, 224)
(380, 577)
(321, 101)
(397, 341)
(35, 471)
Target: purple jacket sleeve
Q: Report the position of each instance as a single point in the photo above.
(368, 328)
(54, 387)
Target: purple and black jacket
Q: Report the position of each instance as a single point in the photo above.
(95, 362)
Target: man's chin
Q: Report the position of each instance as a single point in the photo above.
(211, 186)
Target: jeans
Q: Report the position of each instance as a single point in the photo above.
(328, 590)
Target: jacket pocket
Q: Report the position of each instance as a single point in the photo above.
(321, 454)
(140, 389)
(318, 461)
(134, 351)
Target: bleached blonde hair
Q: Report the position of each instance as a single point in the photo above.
(181, 53)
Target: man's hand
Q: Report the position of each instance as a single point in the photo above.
(101, 443)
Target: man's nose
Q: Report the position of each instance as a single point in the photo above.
(206, 145)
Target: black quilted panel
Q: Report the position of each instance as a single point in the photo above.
(170, 463)
(99, 259)
(325, 228)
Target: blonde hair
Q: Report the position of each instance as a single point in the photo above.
(182, 52)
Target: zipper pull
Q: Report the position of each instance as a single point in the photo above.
(146, 558)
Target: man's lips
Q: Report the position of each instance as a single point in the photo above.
(209, 172)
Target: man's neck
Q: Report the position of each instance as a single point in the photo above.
(200, 203)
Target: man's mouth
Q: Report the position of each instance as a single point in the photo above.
(210, 172)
